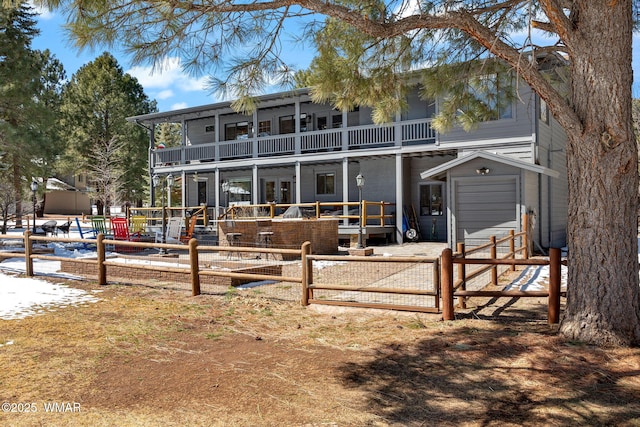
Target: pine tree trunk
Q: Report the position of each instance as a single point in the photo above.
(603, 297)
(17, 186)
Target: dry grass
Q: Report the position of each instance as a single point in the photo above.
(144, 356)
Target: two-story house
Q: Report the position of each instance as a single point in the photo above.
(462, 186)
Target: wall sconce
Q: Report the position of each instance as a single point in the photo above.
(483, 171)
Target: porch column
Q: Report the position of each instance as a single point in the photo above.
(298, 185)
(216, 139)
(296, 119)
(345, 188)
(344, 133)
(254, 186)
(183, 158)
(254, 137)
(185, 188)
(216, 183)
(397, 130)
(152, 163)
(399, 199)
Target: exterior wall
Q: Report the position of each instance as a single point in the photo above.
(67, 203)
(499, 174)
(520, 127)
(370, 150)
(554, 191)
(287, 233)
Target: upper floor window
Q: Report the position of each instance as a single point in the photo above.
(495, 94)
(240, 130)
(288, 124)
(264, 128)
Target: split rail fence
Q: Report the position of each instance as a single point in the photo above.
(410, 283)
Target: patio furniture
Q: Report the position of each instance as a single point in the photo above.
(49, 228)
(264, 235)
(120, 228)
(99, 226)
(64, 228)
(174, 226)
(188, 234)
(83, 234)
(139, 224)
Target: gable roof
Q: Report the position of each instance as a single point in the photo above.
(491, 157)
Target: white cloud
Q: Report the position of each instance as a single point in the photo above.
(165, 94)
(179, 106)
(44, 12)
(167, 74)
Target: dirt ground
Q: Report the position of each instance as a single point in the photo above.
(144, 356)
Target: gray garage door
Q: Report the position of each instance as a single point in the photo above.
(485, 207)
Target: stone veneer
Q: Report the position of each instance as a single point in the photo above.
(287, 233)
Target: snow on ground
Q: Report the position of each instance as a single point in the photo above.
(21, 297)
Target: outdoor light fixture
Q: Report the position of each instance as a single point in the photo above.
(168, 183)
(360, 184)
(34, 188)
(483, 171)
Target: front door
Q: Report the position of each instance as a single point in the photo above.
(277, 190)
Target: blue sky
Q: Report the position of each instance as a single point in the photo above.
(172, 88)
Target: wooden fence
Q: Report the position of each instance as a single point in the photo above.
(449, 291)
(435, 281)
(194, 270)
(414, 286)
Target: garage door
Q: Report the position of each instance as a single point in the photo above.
(485, 207)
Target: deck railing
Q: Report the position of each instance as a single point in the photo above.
(357, 137)
(373, 213)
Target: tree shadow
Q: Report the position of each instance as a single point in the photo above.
(497, 375)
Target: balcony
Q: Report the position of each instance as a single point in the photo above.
(413, 132)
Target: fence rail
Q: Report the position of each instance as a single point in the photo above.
(410, 283)
(408, 279)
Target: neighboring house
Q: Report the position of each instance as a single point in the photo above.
(462, 185)
(64, 198)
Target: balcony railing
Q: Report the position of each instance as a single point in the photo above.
(359, 137)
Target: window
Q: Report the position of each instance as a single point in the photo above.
(239, 191)
(495, 94)
(336, 121)
(264, 128)
(322, 123)
(210, 128)
(326, 183)
(240, 130)
(202, 192)
(431, 200)
(287, 124)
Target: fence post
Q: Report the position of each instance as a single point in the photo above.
(462, 274)
(436, 282)
(307, 278)
(554, 285)
(101, 256)
(195, 267)
(494, 255)
(512, 248)
(525, 243)
(28, 250)
(447, 285)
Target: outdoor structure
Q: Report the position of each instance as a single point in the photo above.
(459, 186)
